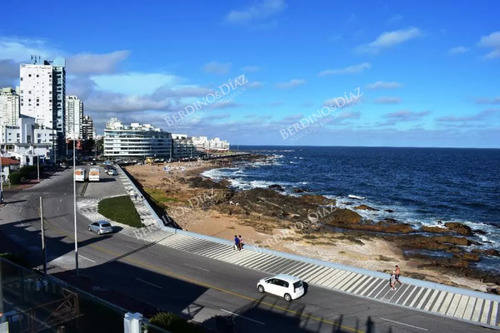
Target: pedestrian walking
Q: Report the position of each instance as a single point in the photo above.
(397, 272)
(236, 243)
(241, 242)
(135, 196)
(393, 280)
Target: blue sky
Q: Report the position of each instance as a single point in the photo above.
(425, 75)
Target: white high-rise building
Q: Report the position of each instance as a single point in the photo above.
(9, 107)
(43, 90)
(74, 118)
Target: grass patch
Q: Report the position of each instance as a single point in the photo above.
(159, 197)
(120, 209)
(384, 258)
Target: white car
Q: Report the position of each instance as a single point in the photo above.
(101, 227)
(283, 285)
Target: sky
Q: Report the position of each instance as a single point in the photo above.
(274, 72)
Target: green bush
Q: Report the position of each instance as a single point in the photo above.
(28, 170)
(120, 209)
(173, 323)
(15, 178)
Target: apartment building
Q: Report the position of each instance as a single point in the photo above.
(136, 141)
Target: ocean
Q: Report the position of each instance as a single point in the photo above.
(420, 186)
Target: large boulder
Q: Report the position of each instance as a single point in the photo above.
(459, 228)
(343, 216)
(365, 207)
(437, 230)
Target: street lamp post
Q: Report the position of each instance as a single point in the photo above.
(74, 200)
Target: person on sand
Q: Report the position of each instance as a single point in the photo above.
(241, 242)
(397, 272)
(236, 243)
(393, 280)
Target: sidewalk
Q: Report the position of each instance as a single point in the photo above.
(461, 304)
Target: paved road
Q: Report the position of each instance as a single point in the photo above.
(176, 279)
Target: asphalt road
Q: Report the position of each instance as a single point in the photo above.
(184, 283)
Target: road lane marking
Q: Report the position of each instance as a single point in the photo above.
(141, 264)
(400, 323)
(203, 269)
(86, 258)
(151, 284)
(237, 315)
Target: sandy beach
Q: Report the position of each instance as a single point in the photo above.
(174, 191)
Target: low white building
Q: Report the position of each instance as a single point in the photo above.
(135, 141)
(26, 141)
(202, 143)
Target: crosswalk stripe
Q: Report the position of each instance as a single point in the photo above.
(470, 307)
(334, 280)
(422, 301)
(494, 314)
(324, 275)
(290, 269)
(315, 271)
(445, 303)
(408, 287)
(459, 313)
(477, 309)
(378, 283)
(365, 290)
(409, 298)
(361, 285)
(328, 276)
(417, 296)
(352, 282)
(453, 305)
(486, 312)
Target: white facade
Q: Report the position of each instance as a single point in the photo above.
(26, 140)
(9, 106)
(135, 141)
(183, 147)
(204, 144)
(42, 92)
(74, 118)
(36, 89)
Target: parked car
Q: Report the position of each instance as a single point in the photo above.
(112, 172)
(101, 227)
(287, 286)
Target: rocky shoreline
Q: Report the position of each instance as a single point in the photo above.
(315, 220)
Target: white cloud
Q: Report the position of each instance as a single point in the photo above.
(355, 69)
(389, 39)
(135, 83)
(258, 12)
(388, 100)
(21, 49)
(384, 85)
(218, 68)
(458, 50)
(290, 84)
(113, 102)
(248, 69)
(88, 63)
(491, 41)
